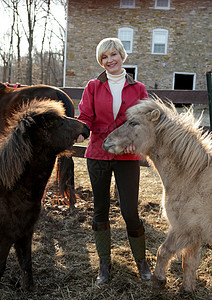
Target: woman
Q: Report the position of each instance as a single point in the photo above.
(103, 106)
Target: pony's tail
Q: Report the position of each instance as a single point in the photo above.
(65, 179)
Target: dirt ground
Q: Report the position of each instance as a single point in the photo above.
(65, 262)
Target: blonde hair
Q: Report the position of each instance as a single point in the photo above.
(108, 44)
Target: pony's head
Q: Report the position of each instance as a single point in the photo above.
(138, 129)
(35, 129)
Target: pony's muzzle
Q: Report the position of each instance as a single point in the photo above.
(86, 131)
(107, 145)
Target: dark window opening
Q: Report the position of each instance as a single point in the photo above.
(183, 81)
(130, 71)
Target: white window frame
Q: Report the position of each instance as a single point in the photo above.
(131, 37)
(132, 66)
(127, 3)
(185, 73)
(162, 7)
(165, 33)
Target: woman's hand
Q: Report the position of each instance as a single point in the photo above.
(80, 139)
(130, 149)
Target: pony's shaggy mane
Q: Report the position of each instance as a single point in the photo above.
(191, 148)
(15, 145)
(34, 108)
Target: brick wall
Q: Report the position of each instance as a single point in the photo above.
(189, 41)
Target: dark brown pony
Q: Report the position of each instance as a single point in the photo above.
(11, 98)
(35, 135)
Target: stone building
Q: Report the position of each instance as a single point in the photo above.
(169, 42)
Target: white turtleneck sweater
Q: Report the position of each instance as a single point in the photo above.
(116, 84)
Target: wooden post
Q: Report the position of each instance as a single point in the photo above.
(209, 87)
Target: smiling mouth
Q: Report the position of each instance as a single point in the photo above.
(111, 66)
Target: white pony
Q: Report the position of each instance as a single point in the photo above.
(182, 154)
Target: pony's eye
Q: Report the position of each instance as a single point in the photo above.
(133, 123)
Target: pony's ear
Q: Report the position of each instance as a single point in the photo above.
(153, 115)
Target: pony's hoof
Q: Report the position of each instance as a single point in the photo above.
(158, 283)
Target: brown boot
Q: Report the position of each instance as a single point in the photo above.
(138, 247)
(103, 247)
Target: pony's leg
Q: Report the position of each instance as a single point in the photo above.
(4, 251)
(190, 262)
(165, 252)
(23, 252)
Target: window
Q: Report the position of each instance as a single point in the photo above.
(127, 3)
(126, 36)
(162, 4)
(184, 81)
(159, 41)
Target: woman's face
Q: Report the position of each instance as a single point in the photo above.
(112, 62)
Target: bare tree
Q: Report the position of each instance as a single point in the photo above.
(32, 9)
(43, 41)
(28, 15)
(18, 52)
(11, 47)
(6, 49)
(5, 65)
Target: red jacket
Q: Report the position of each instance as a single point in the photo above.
(96, 110)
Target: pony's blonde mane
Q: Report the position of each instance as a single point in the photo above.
(182, 134)
(15, 145)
